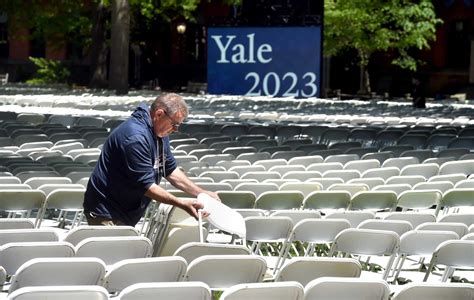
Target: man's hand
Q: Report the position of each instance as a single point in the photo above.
(192, 207)
(212, 194)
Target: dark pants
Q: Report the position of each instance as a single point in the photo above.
(96, 220)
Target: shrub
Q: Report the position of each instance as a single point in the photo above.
(49, 71)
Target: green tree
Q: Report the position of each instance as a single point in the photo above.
(369, 26)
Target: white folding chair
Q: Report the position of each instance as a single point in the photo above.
(166, 290)
(193, 250)
(453, 254)
(78, 234)
(347, 288)
(435, 291)
(224, 271)
(138, 270)
(269, 290)
(90, 292)
(306, 269)
(114, 249)
(59, 271)
(367, 242)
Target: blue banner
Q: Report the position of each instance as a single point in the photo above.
(271, 61)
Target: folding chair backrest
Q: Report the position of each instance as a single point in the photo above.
(193, 250)
(114, 249)
(435, 291)
(138, 270)
(306, 269)
(223, 271)
(77, 234)
(59, 271)
(268, 290)
(90, 292)
(166, 290)
(347, 288)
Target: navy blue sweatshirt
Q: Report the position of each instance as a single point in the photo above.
(127, 167)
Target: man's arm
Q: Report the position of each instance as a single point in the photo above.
(179, 180)
(157, 193)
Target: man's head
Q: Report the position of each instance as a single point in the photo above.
(168, 112)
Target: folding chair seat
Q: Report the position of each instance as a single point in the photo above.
(347, 288)
(453, 254)
(453, 178)
(191, 251)
(452, 153)
(419, 243)
(305, 269)
(92, 292)
(80, 233)
(305, 188)
(368, 242)
(166, 290)
(314, 148)
(279, 200)
(59, 271)
(213, 270)
(435, 291)
(269, 290)
(287, 154)
(25, 234)
(114, 249)
(354, 217)
(140, 270)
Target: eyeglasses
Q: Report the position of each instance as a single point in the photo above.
(174, 124)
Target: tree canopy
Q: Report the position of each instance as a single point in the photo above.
(369, 26)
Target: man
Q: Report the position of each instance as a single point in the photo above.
(134, 158)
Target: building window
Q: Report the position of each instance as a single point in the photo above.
(458, 44)
(3, 35)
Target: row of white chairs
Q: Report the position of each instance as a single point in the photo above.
(325, 288)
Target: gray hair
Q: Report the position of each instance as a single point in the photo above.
(171, 103)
